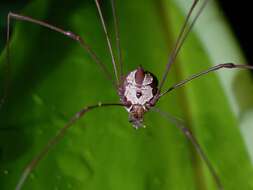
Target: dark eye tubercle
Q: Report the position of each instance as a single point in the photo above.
(138, 94)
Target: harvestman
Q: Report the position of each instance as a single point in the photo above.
(138, 90)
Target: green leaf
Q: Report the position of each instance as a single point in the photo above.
(53, 78)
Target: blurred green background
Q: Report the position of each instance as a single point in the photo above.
(52, 78)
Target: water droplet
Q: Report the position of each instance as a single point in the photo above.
(157, 181)
(69, 186)
(40, 131)
(6, 172)
(58, 177)
(32, 176)
(37, 99)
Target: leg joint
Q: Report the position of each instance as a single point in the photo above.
(228, 65)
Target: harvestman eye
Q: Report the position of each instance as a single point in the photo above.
(138, 90)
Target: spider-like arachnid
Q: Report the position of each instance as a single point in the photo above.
(139, 90)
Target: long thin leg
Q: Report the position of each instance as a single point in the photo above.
(108, 40)
(214, 68)
(116, 28)
(182, 36)
(56, 139)
(179, 124)
(69, 34)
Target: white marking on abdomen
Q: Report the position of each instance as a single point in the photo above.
(131, 91)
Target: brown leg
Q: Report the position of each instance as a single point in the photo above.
(108, 40)
(69, 34)
(185, 30)
(116, 29)
(214, 68)
(53, 141)
(179, 124)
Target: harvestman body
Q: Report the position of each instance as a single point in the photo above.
(138, 93)
(138, 90)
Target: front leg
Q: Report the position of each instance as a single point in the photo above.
(202, 73)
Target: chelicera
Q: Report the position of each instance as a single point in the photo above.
(139, 90)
